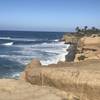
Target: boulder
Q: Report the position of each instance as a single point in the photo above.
(19, 90)
(33, 65)
(81, 79)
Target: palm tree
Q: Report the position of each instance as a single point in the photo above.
(85, 29)
(77, 29)
(93, 29)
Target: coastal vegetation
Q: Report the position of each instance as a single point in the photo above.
(85, 31)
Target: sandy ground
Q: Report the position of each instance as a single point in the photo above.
(20, 90)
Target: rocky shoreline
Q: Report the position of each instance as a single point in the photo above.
(72, 50)
(76, 79)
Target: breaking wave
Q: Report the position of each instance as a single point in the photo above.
(17, 50)
(8, 44)
(47, 53)
(19, 39)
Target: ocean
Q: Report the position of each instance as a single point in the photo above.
(18, 48)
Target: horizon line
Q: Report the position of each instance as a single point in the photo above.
(37, 31)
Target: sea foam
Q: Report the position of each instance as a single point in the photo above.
(8, 44)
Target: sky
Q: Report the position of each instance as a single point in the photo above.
(48, 15)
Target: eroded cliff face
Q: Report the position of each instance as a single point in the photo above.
(89, 48)
(82, 79)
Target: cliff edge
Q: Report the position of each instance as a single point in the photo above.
(82, 78)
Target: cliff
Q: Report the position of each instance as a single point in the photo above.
(82, 79)
(69, 39)
(89, 48)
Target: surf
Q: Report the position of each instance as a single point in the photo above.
(8, 44)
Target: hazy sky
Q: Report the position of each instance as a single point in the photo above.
(48, 15)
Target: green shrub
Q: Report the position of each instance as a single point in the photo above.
(82, 57)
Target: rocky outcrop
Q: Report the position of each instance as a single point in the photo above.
(87, 55)
(72, 50)
(34, 63)
(69, 39)
(89, 48)
(21, 90)
(81, 79)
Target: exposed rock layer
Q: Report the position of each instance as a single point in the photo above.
(89, 48)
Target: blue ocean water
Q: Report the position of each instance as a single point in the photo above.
(18, 48)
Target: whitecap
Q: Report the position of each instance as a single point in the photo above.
(56, 40)
(16, 75)
(8, 44)
(47, 53)
(5, 38)
(19, 39)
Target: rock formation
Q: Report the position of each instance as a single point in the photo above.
(81, 79)
(89, 48)
(71, 53)
(69, 39)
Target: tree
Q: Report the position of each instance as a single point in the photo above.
(77, 29)
(94, 30)
(85, 29)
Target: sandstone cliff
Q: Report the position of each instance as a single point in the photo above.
(89, 48)
(70, 39)
(81, 79)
